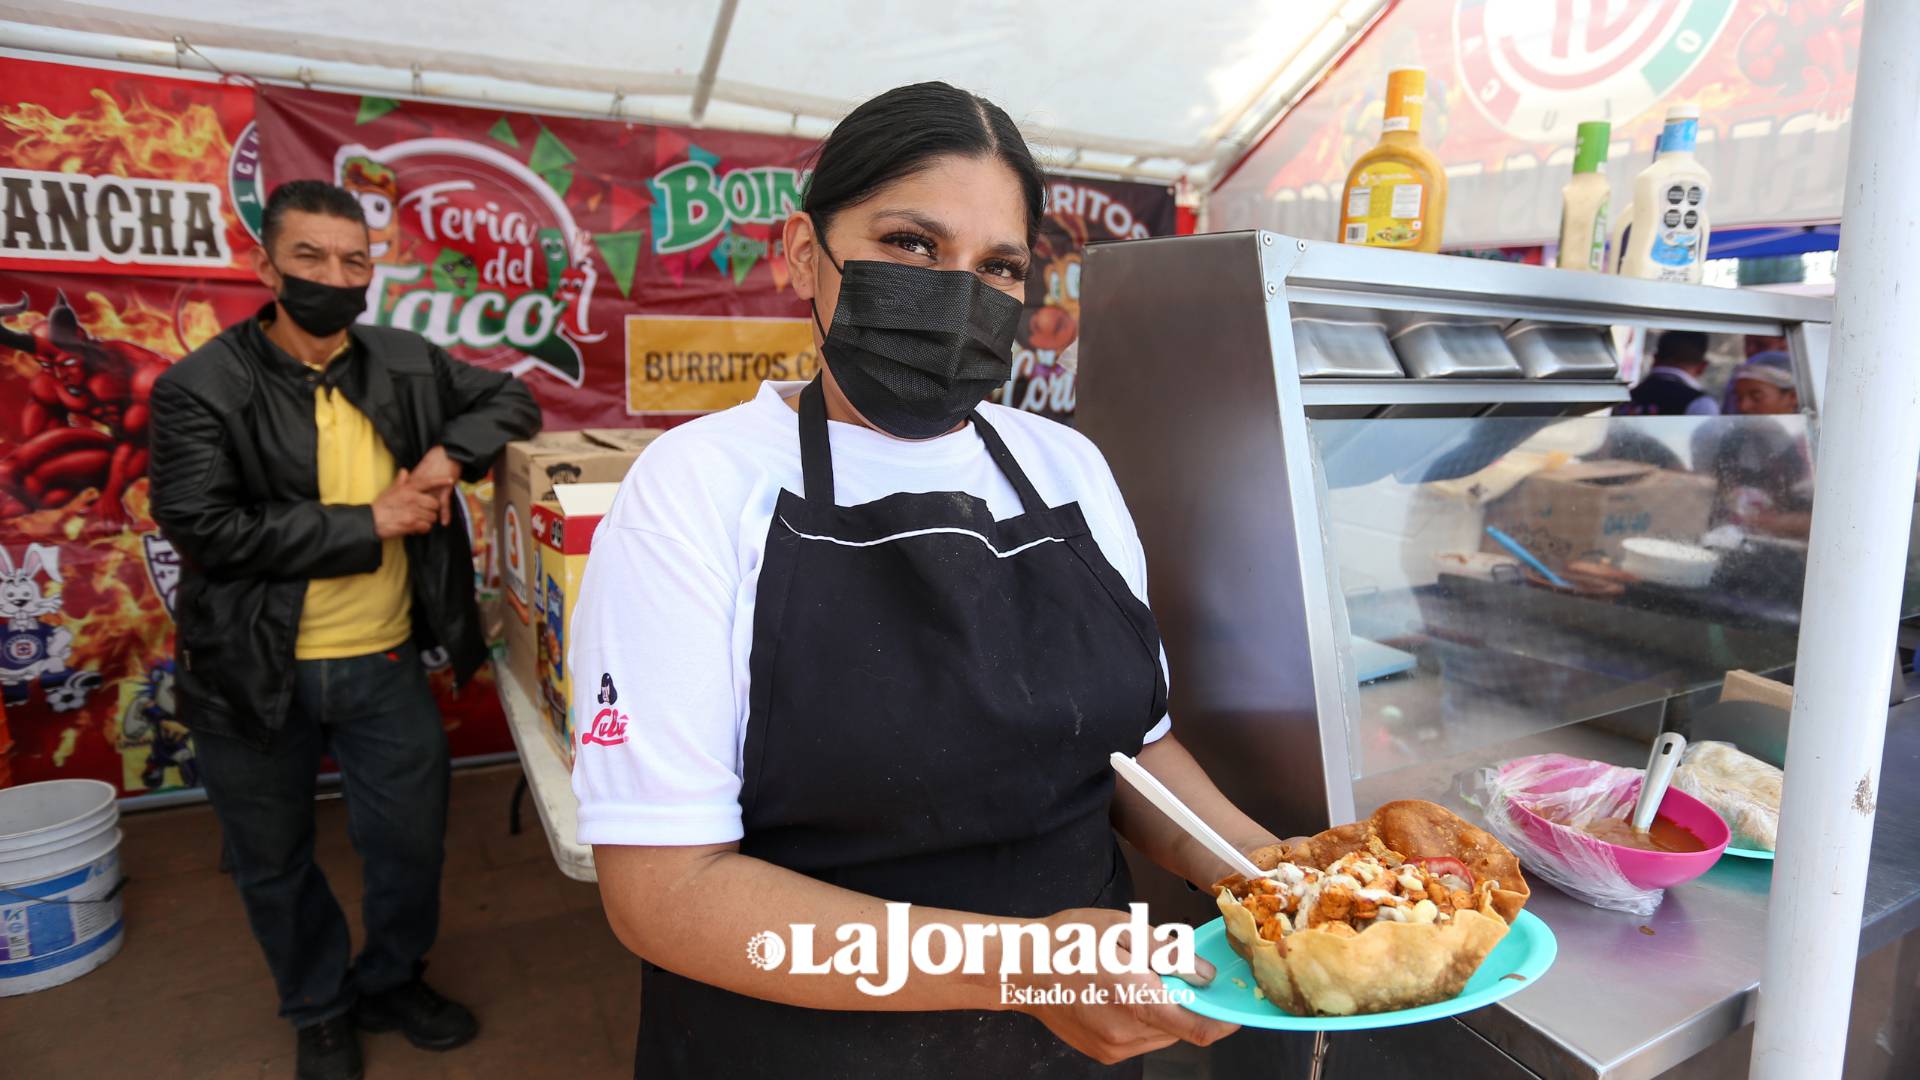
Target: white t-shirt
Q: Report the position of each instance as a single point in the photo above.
(666, 608)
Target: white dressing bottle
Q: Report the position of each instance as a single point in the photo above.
(1583, 202)
(1666, 238)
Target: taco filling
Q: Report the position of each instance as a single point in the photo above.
(1359, 890)
(1348, 922)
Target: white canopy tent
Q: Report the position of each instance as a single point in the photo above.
(1135, 89)
(1160, 91)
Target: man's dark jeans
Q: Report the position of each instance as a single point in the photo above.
(377, 715)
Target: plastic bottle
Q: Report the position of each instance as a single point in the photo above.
(1396, 193)
(1583, 202)
(1622, 226)
(1666, 237)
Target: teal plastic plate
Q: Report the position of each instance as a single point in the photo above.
(1750, 853)
(1521, 957)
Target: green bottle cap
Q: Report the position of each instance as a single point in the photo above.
(1590, 146)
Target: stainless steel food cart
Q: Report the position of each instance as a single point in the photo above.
(1309, 435)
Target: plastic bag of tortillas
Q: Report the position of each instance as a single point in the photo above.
(1536, 806)
(1740, 787)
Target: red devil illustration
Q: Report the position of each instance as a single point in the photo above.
(84, 424)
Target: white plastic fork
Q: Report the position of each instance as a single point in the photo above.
(1169, 804)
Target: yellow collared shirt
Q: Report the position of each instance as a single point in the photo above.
(363, 613)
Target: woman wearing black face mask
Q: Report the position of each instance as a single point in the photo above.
(869, 640)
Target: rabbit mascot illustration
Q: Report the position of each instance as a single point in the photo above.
(34, 651)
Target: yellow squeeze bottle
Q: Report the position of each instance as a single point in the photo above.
(1396, 194)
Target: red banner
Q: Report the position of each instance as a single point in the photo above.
(539, 245)
(1508, 81)
(631, 274)
(109, 172)
(86, 627)
(88, 636)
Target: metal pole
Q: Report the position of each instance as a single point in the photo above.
(710, 68)
(1318, 1067)
(1240, 138)
(1869, 447)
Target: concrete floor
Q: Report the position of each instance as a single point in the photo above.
(189, 996)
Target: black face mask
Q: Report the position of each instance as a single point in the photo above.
(321, 310)
(916, 350)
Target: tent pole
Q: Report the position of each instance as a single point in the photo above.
(1240, 137)
(1868, 451)
(710, 67)
(1225, 126)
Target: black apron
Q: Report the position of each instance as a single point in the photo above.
(934, 695)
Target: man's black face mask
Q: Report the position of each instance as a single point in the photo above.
(320, 310)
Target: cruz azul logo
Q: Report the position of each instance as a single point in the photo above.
(475, 250)
(163, 567)
(1132, 946)
(244, 181)
(1537, 69)
(732, 214)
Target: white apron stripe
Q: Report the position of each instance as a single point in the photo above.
(924, 532)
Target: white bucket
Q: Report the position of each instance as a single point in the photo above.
(59, 882)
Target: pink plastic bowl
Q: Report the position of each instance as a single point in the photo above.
(1643, 869)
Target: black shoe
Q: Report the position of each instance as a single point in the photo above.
(329, 1050)
(429, 1021)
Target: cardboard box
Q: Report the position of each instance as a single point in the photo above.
(635, 439)
(529, 470)
(563, 535)
(1590, 508)
(1753, 714)
(1746, 686)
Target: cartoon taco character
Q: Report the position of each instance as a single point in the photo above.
(1056, 323)
(378, 190)
(1388, 913)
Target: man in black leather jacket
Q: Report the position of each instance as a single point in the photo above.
(304, 466)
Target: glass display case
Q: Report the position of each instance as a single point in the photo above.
(1388, 519)
(1394, 534)
(1649, 556)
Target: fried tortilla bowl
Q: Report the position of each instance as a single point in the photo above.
(1336, 969)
